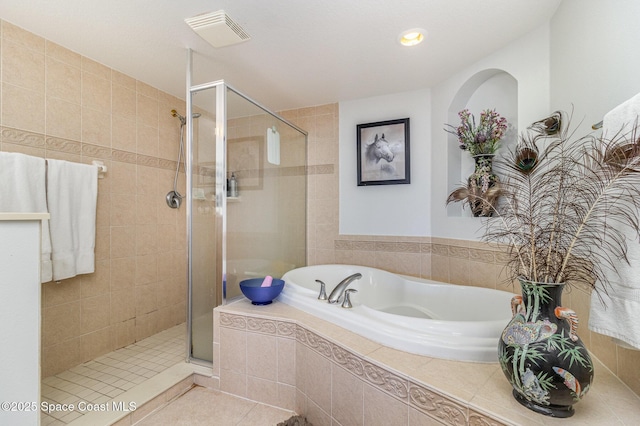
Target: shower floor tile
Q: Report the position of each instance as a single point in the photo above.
(112, 374)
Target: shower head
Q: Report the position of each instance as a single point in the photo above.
(182, 119)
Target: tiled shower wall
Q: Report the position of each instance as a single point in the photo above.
(58, 104)
(455, 261)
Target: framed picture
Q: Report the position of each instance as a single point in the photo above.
(245, 157)
(383, 153)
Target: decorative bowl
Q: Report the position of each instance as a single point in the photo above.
(261, 295)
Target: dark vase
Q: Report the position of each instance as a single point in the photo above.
(540, 353)
(481, 185)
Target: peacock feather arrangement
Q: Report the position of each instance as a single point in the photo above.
(559, 196)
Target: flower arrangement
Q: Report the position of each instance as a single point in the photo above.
(483, 138)
(482, 141)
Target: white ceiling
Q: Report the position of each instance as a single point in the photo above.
(301, 52)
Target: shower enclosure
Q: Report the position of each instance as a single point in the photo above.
(257, 231)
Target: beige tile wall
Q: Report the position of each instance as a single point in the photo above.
(342, 378)
(281, 363)
(58, 104)
(455, 261)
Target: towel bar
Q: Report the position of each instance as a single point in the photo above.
(102, 169)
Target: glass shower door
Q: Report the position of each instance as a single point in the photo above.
(205, 293)
(258, 230)
(266, 220)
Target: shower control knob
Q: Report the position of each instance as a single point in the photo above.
(174, 199)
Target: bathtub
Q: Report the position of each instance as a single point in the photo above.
(410, 314)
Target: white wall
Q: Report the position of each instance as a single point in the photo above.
(526, 60)
(419, 209)
(594, 57)
(585, 57)
(399, 210)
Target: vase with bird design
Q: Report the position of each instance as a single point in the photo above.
(540, 353)
(482, 186)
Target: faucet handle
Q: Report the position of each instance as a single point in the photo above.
(323, 293)
(346, 303)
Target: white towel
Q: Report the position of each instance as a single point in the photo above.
(618, 313)
(22, 190)
(72, 193)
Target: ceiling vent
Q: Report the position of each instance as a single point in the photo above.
(218, 29)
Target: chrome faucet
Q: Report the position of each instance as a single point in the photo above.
(346, 303)
(337, 292)
(323, 293)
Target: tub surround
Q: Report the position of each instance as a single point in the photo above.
(456, 261)
(329, 374)
(474, 263)
(415, 315)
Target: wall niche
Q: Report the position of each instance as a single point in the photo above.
(487, 89)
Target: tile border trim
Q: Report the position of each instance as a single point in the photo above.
(413, 393)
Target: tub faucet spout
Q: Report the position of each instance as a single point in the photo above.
(337, 292)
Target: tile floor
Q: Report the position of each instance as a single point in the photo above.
(104, 378)
(203, 406)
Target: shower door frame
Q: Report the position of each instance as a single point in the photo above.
(220, 188)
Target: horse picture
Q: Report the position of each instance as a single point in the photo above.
(383, 153)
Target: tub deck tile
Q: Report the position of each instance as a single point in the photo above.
(449, 392)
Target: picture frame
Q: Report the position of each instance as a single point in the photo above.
(245, 158)
(383, 156)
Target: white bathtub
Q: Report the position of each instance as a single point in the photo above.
(410, 314)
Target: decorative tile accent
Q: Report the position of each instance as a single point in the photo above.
(145, 160)
(37, 140)
(459, 252)
(501, 257)
(233, 321)
(123, 156)
(440, 249)
(315, 342)
(486, 256)
(384, 380)
(426, 248)
(342, 245)
(96, 151)
(479, 419)
(167, 164)
(436, 405)
(292, 171)
(387, 246)
(286, 329)
(348, 360)
(260, 325)
(22, 137)
(320, 169)
(364, 245)
(63, 145)
(405, 247)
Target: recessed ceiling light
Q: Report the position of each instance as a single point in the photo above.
(412, 37)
